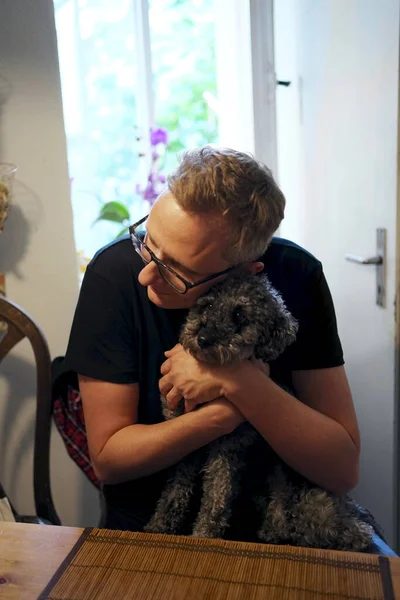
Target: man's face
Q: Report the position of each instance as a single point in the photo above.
(190, 244)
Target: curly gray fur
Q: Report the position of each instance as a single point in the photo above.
(240, 318)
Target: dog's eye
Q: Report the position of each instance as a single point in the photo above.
(204, 307)
(238, 317)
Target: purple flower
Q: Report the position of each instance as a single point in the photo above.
(151, 190)
(150, 193)
(158, 136)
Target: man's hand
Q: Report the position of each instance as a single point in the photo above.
(186, 377)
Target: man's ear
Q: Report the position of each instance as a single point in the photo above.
(254, 267)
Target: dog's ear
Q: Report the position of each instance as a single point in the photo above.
(276, 335)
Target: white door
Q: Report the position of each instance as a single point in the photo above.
(337, 158)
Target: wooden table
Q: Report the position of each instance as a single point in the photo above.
(30, 555)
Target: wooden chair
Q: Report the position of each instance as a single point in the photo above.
(20, 326)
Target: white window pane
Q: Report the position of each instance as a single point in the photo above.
(184, 70)
(100, 86)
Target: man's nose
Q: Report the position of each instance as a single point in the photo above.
(150, 274)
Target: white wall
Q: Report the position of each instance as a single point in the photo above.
(37, 250)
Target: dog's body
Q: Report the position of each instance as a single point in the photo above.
(242, 318)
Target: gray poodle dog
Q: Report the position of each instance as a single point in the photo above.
(244, 317)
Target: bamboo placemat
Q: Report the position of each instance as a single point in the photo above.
(114, 564)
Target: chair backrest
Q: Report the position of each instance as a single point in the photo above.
(19, 326)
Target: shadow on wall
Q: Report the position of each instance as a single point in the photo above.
(23, 220)
(5, 95)
(23, 217)
(11, 254)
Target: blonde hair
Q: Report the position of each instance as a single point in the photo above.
(235, 186)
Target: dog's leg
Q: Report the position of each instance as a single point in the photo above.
(221, 482)
(174, 501)
(275, 509)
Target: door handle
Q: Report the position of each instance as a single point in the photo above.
(374, 260)
(379, 261)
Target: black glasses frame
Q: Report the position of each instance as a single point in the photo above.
(138, 242)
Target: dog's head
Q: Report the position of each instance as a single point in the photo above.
(238, 318)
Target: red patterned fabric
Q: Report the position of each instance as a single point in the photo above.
(70, 422)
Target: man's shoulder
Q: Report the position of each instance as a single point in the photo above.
(119, 248)
(116, 259)
(292, 270)
(288, 258)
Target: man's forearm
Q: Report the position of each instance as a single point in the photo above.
(140, 450)
(312, 443)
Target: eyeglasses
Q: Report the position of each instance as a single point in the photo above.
(178, 283)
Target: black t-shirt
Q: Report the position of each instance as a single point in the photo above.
(119, 336)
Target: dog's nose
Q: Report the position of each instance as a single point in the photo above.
(203, 341)
(206, 338)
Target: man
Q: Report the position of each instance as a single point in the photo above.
(220, 211)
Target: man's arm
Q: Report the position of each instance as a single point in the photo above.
(121, 449)
(316, 434)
